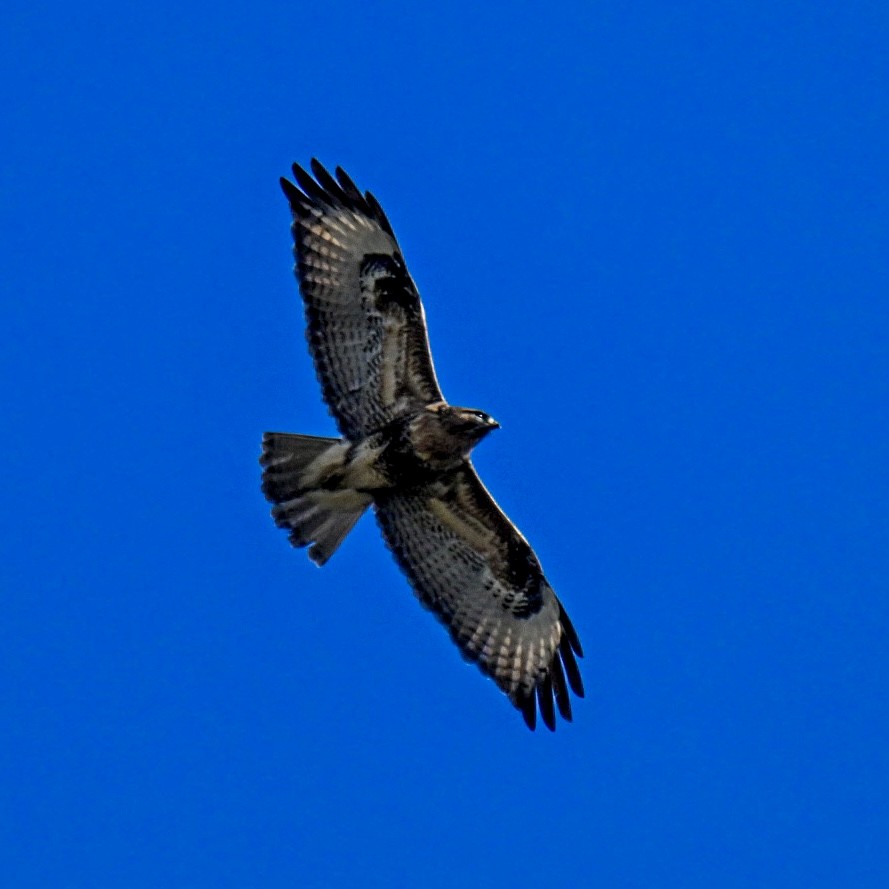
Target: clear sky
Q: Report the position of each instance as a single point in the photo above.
(653, 242)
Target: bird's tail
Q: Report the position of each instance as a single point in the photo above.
(299, 477)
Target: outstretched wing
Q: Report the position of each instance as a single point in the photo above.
(470, 565)
(365, 323)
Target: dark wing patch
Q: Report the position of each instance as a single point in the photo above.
(387, 282)
(473, 569)
(365, 322)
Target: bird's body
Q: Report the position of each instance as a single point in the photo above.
(406, 452)
(318, 484)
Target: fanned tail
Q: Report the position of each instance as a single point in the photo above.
(295, 469)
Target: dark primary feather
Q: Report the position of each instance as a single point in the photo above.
(371, 353)
(349, 187)
(331, 186)
(315, 191)
(563, 699)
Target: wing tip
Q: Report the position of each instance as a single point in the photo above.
(378, 213)
(551, 692)
(527, 706)
(570, 632)
(572, 671)
(320, 188)
(545, 701)
(296, 199)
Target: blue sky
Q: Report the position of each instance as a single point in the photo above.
(652, 241)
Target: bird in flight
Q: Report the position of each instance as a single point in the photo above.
(405, 451)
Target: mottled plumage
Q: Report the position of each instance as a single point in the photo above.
(405, 452)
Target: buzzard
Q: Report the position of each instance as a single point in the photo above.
(405, 452)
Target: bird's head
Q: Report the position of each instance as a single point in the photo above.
(444, 435)
(468, 424)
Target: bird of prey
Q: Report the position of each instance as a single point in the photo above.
(405, 452)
